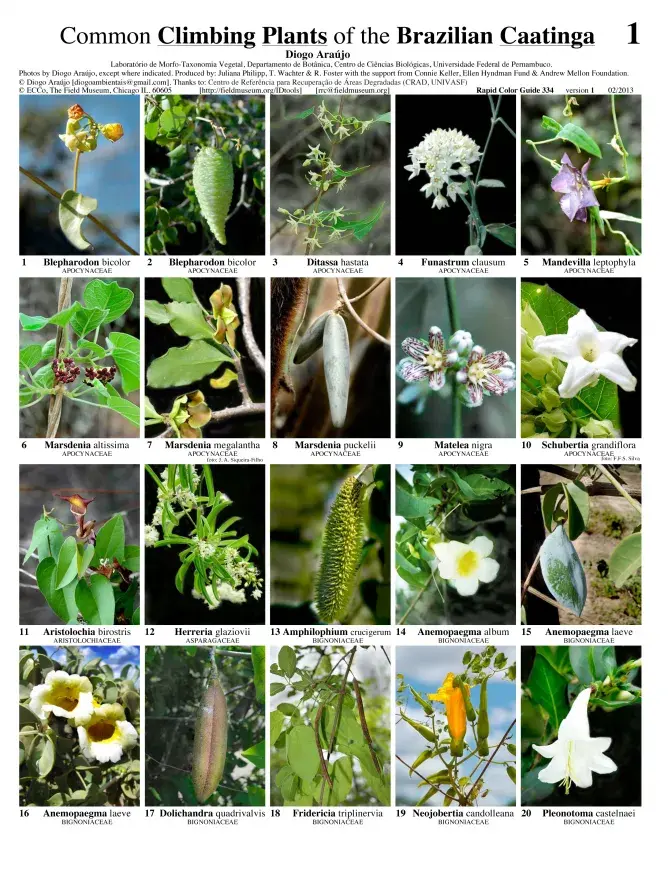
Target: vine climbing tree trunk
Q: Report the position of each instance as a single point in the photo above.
(56, 400)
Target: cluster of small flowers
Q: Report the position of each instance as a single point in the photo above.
(477, 374)
(77, 139)
(185, 498)
(315, 219)
(437, 155)
(244, 575)
(335, 124)
(65, 370)
(103, 374)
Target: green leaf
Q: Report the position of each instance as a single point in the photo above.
(157, 312)
(385, 118)
(550, 124)
(490, 182)
(127, 409)
(61, 601)
(66, 566)
(562, 571)
(276, 688)
(578, 509)
(172, 119)
(73, 209)
(619, 216)
(184, 365)
(626, 560)
(302, 754)
(503, 232)
(341, 777)
(95, 351)
(485, 488)
(548, 504)
(84, 556)
(88, 319)
(34, 323)
(579, 138)
(304, 114)
(186, 319)
(47, 539)
(179, 289)
(256, 754)
(287, 660)
(548, 689)
(259, 666)
(341, 173)
(591, 663)
(96, 601)
(43, 755)
(108, 295)
(152, 416)
(110, 541)
(132, 557)
(408, 504)
(125, 350)
(360, 227)
(277, 725)
(30, 356)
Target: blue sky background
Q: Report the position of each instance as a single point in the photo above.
(425, 669)
(114, 656)
(111, 174)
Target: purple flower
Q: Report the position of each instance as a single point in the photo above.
(574, 184)
(427, 360)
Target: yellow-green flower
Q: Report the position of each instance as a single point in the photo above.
(67, 695)
(107, 734)
(113, 132)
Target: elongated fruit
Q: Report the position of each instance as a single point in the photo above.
(341, 551)
(336, 352)
(210, 741)
(312, 339)
(213, 183)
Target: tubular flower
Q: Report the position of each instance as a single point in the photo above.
(485, 375)
(466, 565)
(575, 755)
(456, 711)
(588, 353)
(577, 193)
(78, 505)
(107, 734)
(67, 695)
(428, 359)
(437, 155)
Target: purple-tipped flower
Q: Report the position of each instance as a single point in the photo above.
(428, 359)
(574, 184)
(491, 374)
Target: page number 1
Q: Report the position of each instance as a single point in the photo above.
(633, 33)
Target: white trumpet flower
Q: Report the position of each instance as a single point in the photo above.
(466, 565)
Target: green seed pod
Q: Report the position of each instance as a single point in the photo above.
(482, 747)
(341, 551)
(468, 706)
(210, 741)
(312, 339)
(213, 183)
(483, 724)
(422, 730)
(336, 350)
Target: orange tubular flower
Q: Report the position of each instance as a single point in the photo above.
(456, 712)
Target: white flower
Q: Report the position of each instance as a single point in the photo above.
(206, 549)
(107, 735)
(588, 353)
(575, 754)
(440, 201)
(437, 155)
(257, 593)
(466, 565)
(151, 536)
(63, 694)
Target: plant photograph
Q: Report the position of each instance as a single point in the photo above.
(581, 544)
(456, 340)
(205, 727)
(79, 160)
(87, 354)
(79, 723)
(79, 554)
(330, 726)
(581, 726)
(205, 174)
(330, 533)
(204, 544)
(455, 726)
(205, 364)
(455, 544)
(581, 174)
(330, 357)
(460, 195)
(580, 358)
(330, 174)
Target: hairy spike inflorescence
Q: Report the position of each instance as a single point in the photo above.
(341, 551)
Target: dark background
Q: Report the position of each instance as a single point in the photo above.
(421, 229)
(615, 304)
(159, 338)
(623, 788)
(164, 605)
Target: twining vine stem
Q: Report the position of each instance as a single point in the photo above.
(454, 318)
(489, 761)
(348, 304)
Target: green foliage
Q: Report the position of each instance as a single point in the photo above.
(53, 771)
(77, 369)
(202, 149)
(220, 558)
(176, 678)
(330, 714)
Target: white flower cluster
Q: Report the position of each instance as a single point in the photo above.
(244, 574)
(184, 498)
(437, 155)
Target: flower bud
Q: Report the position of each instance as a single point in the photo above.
(554, 421)
(461, 341)
(550, 398)
(625, 696)
(113, 132)
(76, 112)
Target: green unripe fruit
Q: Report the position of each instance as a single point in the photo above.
(457, 747)
(213, 183)
(482, 747)
(468, 706)
(210, 741)
(341, 552)
(312, 339)
(483, 724)
(336, 352)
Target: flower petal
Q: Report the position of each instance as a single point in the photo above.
(412, 371)
(436, 341)
(581, 326)
(614, 342)
(575, 724)
(614, 369)
(465, 585)
(579, 374)
(556, 770)
(482, 545)
(549, 751)
(564, 347)
(437, 379)
(447, 554)
(487, 570)
(415, 347)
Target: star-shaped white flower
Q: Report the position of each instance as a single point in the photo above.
(588, 353)
(575, 754)
(466, 565)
